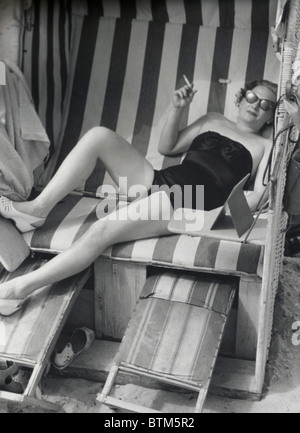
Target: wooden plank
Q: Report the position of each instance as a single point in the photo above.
(227, 347)
(231, 377)
(200, 400)
(77, 281)
(126, 405)
(235, 378)
(117, 288)
(47, 346)
(13, 248)
(11, 396)
(247, 318)
(160, 377)
(109, 383)
(25, 399)
(82, 313)
(182, 328)
(34, 380)
(105, 398)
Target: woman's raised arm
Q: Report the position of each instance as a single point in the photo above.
(172, 140)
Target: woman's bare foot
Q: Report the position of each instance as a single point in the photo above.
(29, 208)
(24, 221)
(12, 290)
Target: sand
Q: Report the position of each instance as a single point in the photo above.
(282, 384)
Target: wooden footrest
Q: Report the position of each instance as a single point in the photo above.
(28, 337)
(175, 332)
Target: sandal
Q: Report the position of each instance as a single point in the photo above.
(81, 340)
(10, 306)
(7, 369)
(20, 379)
(23, 221)
(11, 385)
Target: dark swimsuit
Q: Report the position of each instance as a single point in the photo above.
(214, 161)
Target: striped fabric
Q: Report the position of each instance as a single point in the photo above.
(164, 330)
(210, 13)
(45, 62)
(73, 216)
(200, 290)
(116, 64)
(88, 62)
(27, 335)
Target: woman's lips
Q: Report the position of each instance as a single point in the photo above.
(252, 112)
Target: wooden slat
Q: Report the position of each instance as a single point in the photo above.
(232, 377)
(13, 248)
(235, 378)
(117, 288)
(83, 311)
(160, 377)
(39, 331)
(174, 342)
(247, 319)
(132, 407)
(34, 380)
(109, 383)
(10, 396)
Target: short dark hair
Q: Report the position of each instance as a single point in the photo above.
(251, 85)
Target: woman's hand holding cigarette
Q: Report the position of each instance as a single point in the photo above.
(184, 96)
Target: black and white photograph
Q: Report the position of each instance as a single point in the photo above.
(149, 209)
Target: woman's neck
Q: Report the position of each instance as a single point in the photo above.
(244, 127)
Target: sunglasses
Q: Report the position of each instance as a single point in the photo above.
(264, 104)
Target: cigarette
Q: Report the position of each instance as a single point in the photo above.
(187, 81)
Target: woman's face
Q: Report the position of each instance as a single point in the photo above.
(252, 112)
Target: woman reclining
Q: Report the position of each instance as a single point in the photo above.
(219, 154)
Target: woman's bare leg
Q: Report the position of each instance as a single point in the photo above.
(119, 157)
(154, 211)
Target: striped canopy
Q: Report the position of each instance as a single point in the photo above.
(116, 63)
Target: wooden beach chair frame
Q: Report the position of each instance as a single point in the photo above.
(205, 303)
(277, 217)
(260, 289)
(43, 333)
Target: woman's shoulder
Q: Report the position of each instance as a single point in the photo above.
(214, 115)
(211, 120)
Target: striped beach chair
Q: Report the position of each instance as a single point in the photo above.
(116, 64)
(28, 338)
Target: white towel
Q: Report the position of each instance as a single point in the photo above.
(16, 180)
(24, 132)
